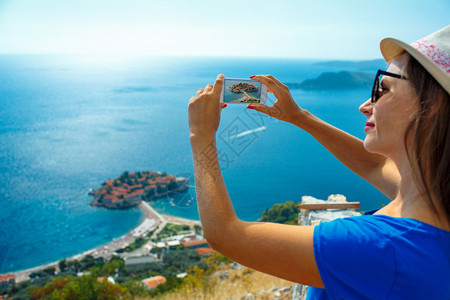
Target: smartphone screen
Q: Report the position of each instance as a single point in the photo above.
(243, 91)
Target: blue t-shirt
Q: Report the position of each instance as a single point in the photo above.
(381, 257)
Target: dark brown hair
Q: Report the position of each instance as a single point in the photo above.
(430, 155)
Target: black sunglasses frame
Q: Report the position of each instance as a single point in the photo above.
(376, 83)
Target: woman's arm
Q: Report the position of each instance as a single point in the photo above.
(285, 251)
(376, 169)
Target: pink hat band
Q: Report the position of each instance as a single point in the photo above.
(434, 53)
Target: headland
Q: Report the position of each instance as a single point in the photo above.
(130, 189)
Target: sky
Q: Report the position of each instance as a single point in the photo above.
(327, 29)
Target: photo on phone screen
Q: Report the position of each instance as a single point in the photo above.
(243, 91)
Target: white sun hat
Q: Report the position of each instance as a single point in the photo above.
(432, 52)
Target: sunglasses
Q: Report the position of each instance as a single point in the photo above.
(376, 84)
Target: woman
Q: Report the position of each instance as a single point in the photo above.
(401, 251)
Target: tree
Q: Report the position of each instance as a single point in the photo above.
(149, 194)
(173, 185)
(198, 229)
(124, 176)
(50, 270)
(112, 267)
(283, 213)
(201, 278)
(62, 264)
(136, 288)
(73, 264)
(87, 262)
(84, 287)
(182, 259)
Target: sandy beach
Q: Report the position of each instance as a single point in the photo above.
(183, 221)
(153, 221)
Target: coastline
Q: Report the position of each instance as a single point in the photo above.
(153, 221)
(243, 99)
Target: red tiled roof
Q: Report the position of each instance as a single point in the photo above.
(153, 282)
(135, 193)
(136, 186)
(6, 277)
(204, 251)
(115, 199)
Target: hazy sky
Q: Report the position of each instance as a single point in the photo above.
(265, 28)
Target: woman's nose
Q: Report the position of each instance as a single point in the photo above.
(366, 107)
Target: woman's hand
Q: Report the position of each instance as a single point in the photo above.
(204, 110)
(284, 108)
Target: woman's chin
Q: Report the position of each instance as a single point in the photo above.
(370, 145)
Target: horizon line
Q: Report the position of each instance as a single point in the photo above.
(193, 56)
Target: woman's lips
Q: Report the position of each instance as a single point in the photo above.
(369, 126)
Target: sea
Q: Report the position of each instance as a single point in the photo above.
(69, 123)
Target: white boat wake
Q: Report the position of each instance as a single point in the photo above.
(244, 133)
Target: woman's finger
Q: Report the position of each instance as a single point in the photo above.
(272, 85)
(275, 80)
(218, 85)
(208, 88)
(268, 110)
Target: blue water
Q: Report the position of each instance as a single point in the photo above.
(69, 123)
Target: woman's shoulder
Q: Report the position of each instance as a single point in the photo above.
(390, 227)
(373, 233)
(380, 248)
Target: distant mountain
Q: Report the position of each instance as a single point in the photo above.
(336, 81)
(373, 64)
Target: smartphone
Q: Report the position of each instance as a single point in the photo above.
(243, 91)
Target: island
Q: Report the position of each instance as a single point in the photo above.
(243, 87)
(343, 80)
(129, 189)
